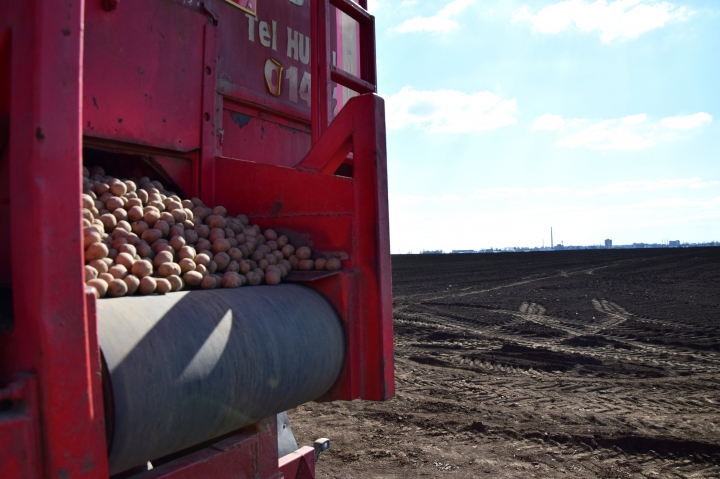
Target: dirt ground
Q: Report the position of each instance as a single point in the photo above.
(598, 364)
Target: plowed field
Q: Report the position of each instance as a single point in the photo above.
(598, 364)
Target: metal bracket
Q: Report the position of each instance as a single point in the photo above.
(321, 445)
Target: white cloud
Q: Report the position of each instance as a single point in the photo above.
(449, 110)
(635, 132)
(686, 122)
(613, 19)
(439, 23)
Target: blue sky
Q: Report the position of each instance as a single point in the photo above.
(599, 118)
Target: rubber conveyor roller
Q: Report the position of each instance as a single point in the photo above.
(187, 367)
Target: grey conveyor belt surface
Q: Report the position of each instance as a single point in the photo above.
(190, 366)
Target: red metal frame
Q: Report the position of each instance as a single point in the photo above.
(162, 80)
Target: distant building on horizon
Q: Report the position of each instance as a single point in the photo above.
(675, 243)
(608, 244)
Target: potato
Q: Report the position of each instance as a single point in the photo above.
(211, 267)
(118, 188)
(233, 266)
(109, 221)
(171, 206)
(243, 219)
(177, 242)
(168, 269)
(260, 239)
(96, 251)
(179, 215)
(303, 252)
(271, 258)
(139, 227)
(107, 277)
(101, 188)
(270, 234)
(187, 204)
(124, 226)
(222, 260)
(133, 202)
(143, 196)
(253, 279)
(151, 235)
(202, 259)
(99, 265)
(191, 236)
(221, 245)
(202, 230)
(133, 283)
(167, 218)
(208, 282)
(333, 264)
(273, 275)
(214, 221)
(90, 273)
(320, 263)
(278, 255)
(86, 223)
(250, 232)
(125, 259)
(162, 245)
(257, 255)
(306, 264)
(177, 230)
(112, 253)
(231, 280)
(219, 211)
(100, 286)
(193, 278)
(135, 213)
(117, 288)
(203, 270)
(163, 227)
(253, 265)
(235, 254)
(163, 257)
(272, 244)
(176, 283)
(216, 233)
(163, 286)
(263, 264)
(144, 250)
(142, 268)
(114, 203)
(87, 201)
(203, 245)
(283, 269)
(131, 186)
(244, 250)
(118, 271)
(85, 172)
(200, 212)
(186, 264)
(90, 236)
(147, 285)
(282, 241)
(120, 214)
(150, 215)
(129, 249)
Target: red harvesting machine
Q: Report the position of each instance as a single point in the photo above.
(266, 107)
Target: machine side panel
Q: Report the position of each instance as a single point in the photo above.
(50, 337)
(145, 81)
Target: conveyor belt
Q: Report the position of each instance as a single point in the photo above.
(190, 366)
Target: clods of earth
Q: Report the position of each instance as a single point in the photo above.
(592, 364)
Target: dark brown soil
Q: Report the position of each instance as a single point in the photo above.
(597, 364)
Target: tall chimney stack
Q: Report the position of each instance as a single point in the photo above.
(552, 245)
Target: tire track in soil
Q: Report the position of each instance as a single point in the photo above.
(484, 390)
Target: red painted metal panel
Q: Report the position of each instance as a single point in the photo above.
(251, 454)
(144, 75)
(299, 464)
(19, 432)
(51, 333)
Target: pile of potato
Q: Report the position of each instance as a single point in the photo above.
(140, 238)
